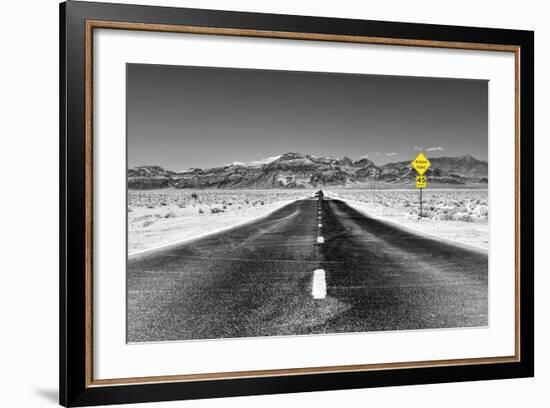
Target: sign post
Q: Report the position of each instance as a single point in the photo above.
(421, 164)
(373, 174)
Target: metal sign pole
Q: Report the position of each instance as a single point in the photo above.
(421, 203)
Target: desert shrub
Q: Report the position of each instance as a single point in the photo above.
(216, 210)
(146, 223)
(194, 196)
(427, 214)
(141, 218)
(448, 210)
(461, 216)
(201, 211)
(445, 216)
(482, 211)
(170, 214)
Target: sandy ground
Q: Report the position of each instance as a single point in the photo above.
(160, 226)
(475, 232)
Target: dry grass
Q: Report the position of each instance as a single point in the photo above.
(208, 199)
(443, 205)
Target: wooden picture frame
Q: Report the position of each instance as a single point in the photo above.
(78, 20)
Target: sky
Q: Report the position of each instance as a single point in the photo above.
(181, 117)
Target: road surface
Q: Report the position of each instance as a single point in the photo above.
(310, 267)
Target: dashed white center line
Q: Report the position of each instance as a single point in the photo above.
(319, 289)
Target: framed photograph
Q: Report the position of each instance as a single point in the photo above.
(256, 204)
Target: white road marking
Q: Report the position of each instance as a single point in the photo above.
(320, 225)
(319, 289)
(319, 217)
(320, 240)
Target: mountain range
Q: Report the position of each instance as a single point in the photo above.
(297, 170)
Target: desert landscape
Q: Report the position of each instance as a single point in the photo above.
(459, 215)
(279, 203)
(161, 217)
(166, 207)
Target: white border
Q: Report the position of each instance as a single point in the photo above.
(115, 359)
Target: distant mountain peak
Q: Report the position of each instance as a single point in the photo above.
(363, 161)
(292, 156)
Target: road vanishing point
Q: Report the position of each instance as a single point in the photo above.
(315, 266)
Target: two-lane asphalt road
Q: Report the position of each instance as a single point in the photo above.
(309, 267)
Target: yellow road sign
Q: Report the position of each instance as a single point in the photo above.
(421, 164)
(421, 182)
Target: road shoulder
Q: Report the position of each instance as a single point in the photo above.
(474, 237)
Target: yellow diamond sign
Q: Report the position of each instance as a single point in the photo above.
(421, 164)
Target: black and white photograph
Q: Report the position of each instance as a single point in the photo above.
(280, 203)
